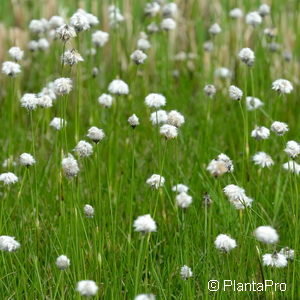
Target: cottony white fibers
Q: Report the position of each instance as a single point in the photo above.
(288, 253)
(225, 243)
(236, 13)
(89, 211)
(235, 93)
(208, 46)
(71, 57)
(118, 87)
(11, 68)
(260, 133)
(16, 53)
(184, 200)
(186, 272)
(83, 149)
(180, 188)
(29, 101)
(253, 103)
(168, 131)
(43, 44)
(169, 10)
(223, 73)
(168, 24)
(152, 27)
(133, 121)
(292, 149)
(221, 165)
(264, 10)
(32, 46)
(58, 123)
(266, 234)
(138, 57)
(26, 159)
(253, 19)
(115, 16)
(80, 22)
(292, 166)
(38, 26)
(95, 134)
(237, 196)
(145, 297)
(156, 181)
(151, 9)
(282, 86)
(263, 160)
(159, 117)
(143, 44)
(66, 32)
(274, 260)
(105, 100)
(100, 38)
(280, 128)
(247, 56)
(44, 100)
(210, 90)
(92, 20)
(175, 118)
(70, 166)
(215, 29)
(56, 22)
(87, 288)
(144, 224)
(49, 91)
(63, 86)
(62, 262)
(8, 243)
(155, 100)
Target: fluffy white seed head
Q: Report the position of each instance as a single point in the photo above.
(26, 159)
(11, 68)
(87, 288)
(33, 45)
(235, 93)
(175, 118)
(236, 13)
(292, 166)
(118, 87)
(282, 86)
(71, 57)
(152, 27)
(100, 38)
(253, 103)
(210, 90)
(44, 100)
(8, 243)
(292, 149)
(38, 26)
(16, 53)
(225, 243)
(263, 160)
(221, 165)
(288, 253)
(80, 22)
(156, 181)
(170, 10)
(280, 128)
(215, 29)
(29, 101)
(168, 131)
(43, 44)
(180, 188)
(96, 134)
(260, 133)
(56, 21)
(143, 44)
(70, 166)
(184, 200)
(208, 46)
(63, 86)
(223, 73)
(62, 262)
(276, 260)
(105, 100)
(247, 56)
(138, 57)
(159, 117)
(144, 224)
(133, 121)
(154, 100)
(186, 272)
(145, 297)
(237, 196)
(168, 24)
(253, 18)
(266, 234)
(89, 211)
(66, 32)
(58, 123)
(151, 9)
(83, 149)
(264, 10)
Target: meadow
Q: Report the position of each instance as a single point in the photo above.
(148, 148)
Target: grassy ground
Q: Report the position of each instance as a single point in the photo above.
(44, 210)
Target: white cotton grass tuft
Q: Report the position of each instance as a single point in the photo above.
(8, 243)
(215, 29)
(11, 68)
(8, 178)
(292, 149)
(236, 13)
(186, 272)
(168, 24)
(56, 21)
(144, 224)
(95, 134)
(221, 165)
(62, 262)
(235, 93)
(292, 166)
(16, 53)
(280, 128)
(66, 32)
(247, 56)
(288, 253)
(133, 121)
(70, 166)
(151, 9)
(63, 86)
(154, 100)
(83, 149)
(143, 44)
(208, 46)
(223, 73)
(38, 26)
(29, 101)
(276, 260)
(115, 16)
(237, 196)
(263, 160)
(80, 22)
(58, 123)
(89, 211)
(87, 288)
(44, 100)
(282, 86)
(264, 10)
(9, 162)
(156, 181)
(266, 234)
(210, 90)
(43, 44)
(71, 57)
(168, 131)
(100, 38)
(159, 117)
(253, 18)
(145, 297)
(138, 57)
(118, 87)
(26, 159)
(253, 103)
(170, 10)
(260, 133)
(225, 243)
(175, 118)
(180, 188)
(105, 100)
(184, 200)
(32, 46)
